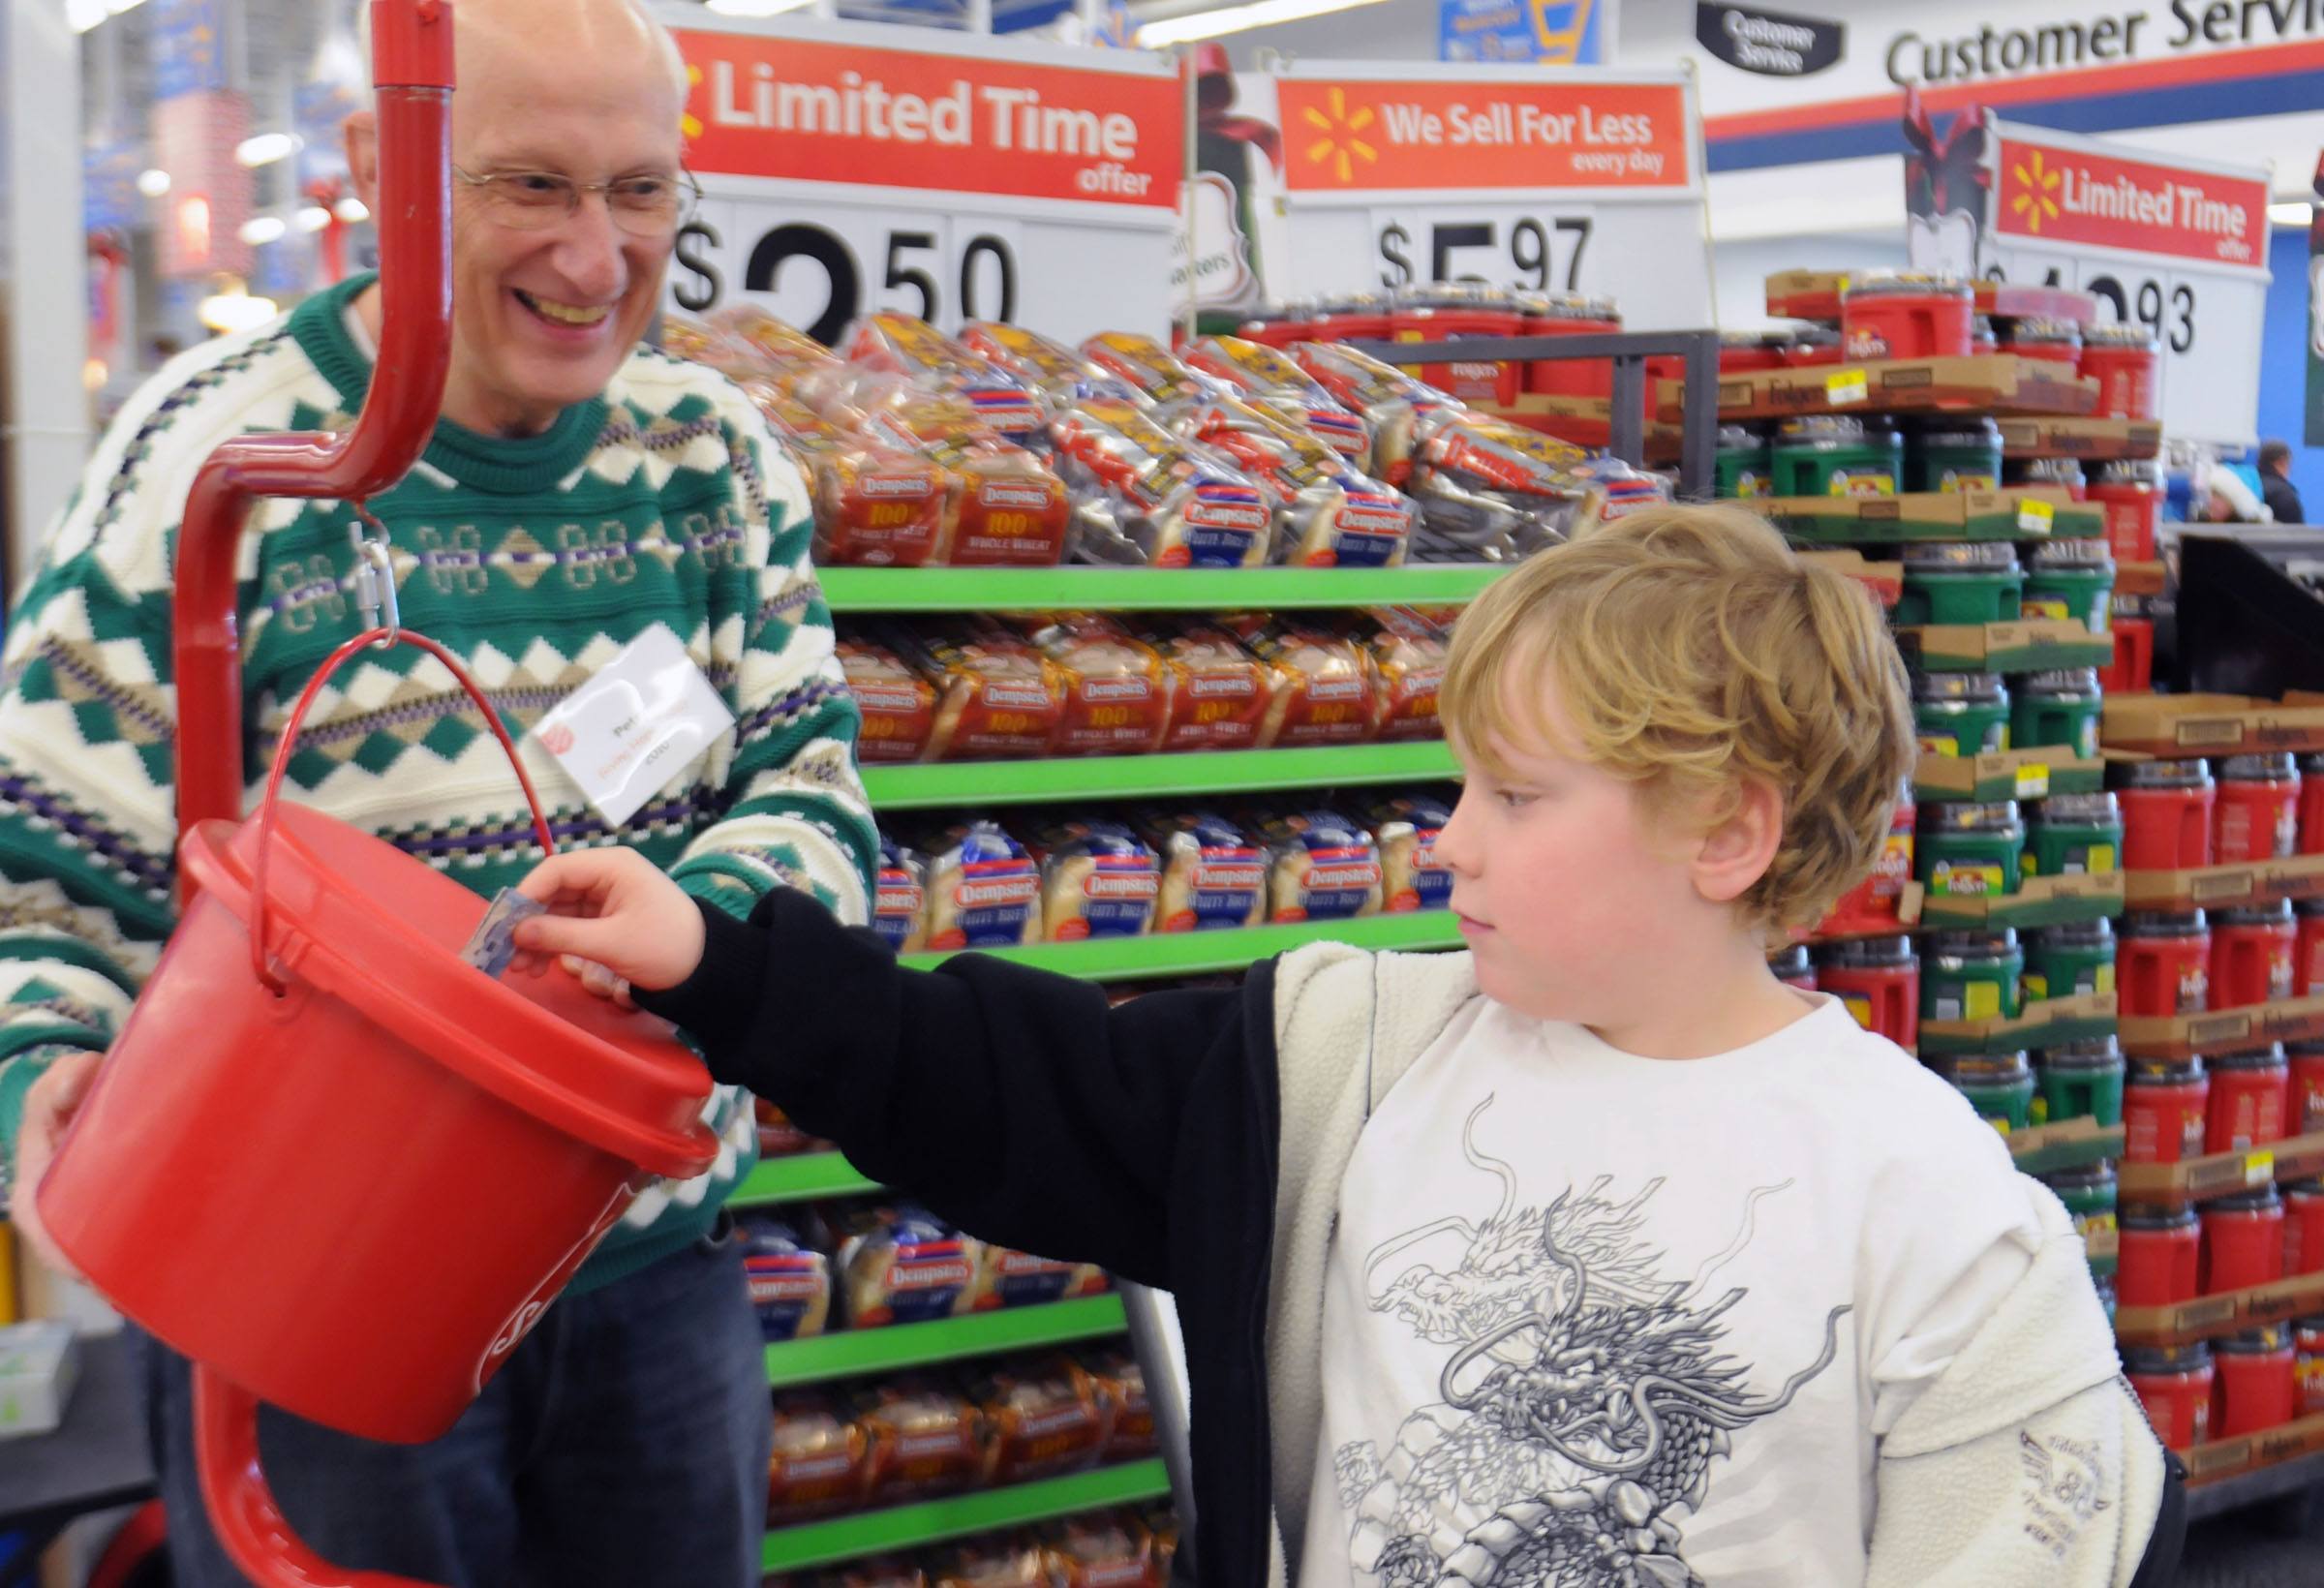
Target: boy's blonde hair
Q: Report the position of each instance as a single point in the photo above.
(1690, 651)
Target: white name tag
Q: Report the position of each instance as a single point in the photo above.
(626, 734)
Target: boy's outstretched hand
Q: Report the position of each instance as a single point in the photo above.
(613, 912)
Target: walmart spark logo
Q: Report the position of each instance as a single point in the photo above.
(689, 123)
(2035, 183)
(1342, 143)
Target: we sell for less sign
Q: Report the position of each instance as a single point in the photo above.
(849, 169)
(1533, 178)
(2177, 245)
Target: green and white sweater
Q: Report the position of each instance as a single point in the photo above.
(665, 504)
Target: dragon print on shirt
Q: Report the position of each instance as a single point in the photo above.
(1584, 1398)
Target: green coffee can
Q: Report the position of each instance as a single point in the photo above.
(1953, 452)
(1746, 461)
(1971, 851)
(2061, 708)
(2075, 835)
(2073, 580)
(1961, 714)
(1972, 975)
(2069, 961)
(2000, 1085)
(1830, 454)
(2083, 1079)
(1967, 582)
(2090, 1195)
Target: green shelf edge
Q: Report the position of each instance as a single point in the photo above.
(2056, 1035)
(1200, 953)
(2006, 788)
(1131, 776)
(849, 1353)
(2028, 658)
(803, 1178)
(933, 1521)
(2065, 912)
(1152, 589)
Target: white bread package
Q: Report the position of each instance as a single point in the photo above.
(1412, 876)
(1213, 873)
(1322, 867)
(984, 890)
(1098, 879)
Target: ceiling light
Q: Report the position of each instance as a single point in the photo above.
(352, 210)
(755, 7)
(81, 15)
(235, 310)
(266, 229)
(2291, 214)
(1210, 25)
(313, 218)
(265, 149)
(153, 183)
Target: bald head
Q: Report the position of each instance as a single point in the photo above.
(622, 30)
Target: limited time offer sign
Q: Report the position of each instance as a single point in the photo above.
(1532, 178)
(853, 168)
(2175, 245)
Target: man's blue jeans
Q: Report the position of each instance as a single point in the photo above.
(624, 1445)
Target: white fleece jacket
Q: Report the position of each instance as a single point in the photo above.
(2028, 1463)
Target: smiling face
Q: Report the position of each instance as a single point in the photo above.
(586, 89)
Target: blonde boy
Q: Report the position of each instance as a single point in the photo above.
(1593, 1256)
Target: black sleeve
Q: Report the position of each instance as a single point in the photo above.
(1014, 1102)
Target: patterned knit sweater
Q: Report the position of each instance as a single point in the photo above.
(664, 504)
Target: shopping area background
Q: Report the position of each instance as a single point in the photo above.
(212, 196)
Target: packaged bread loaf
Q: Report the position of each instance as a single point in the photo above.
(927, 1440)
(1411, 875)
(899, 899)
(1267, 376)
(1390, 402)
(1008, 1278)
(1492, 490)
(1213, 874)
(1115, 692)
(1129, 1415)
(1320, 688)
(879, 507)
(1321, 867)
(1061, 376)
(1102, 1550)
(1219, 688)
(1145, 496)
(698, 342)
(818, 1465)
(896, 700)
(1409, 649)
(796, 363)
(789, 1280)
(1098, 879)
(1147, 367)
(1007, 508)
(913, 349)
(984, 890)
(900, 1264)
(997, 696)
(1041, 1417)
(1327, 513)
(1011, 1562)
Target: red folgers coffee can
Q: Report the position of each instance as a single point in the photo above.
(1872, 905)
(2133, 669)
(2161, 1259)
(1906, 315)
(2254, 1387)
(2307, 1366)
(1879, 979)
(2258, 812)
(2122, 358)
(2251, 1095)
(2167, 814)
(2163, 1113)
(2162, 964)
(2303, 1228)
(2306, 1112)
(2173, 1382)
(2133, 503)
(1570, 314)
(2251, 954)
(2243, 1242)
(1444, 314)
(2307, 948)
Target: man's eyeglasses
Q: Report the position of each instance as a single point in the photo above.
(644, 206)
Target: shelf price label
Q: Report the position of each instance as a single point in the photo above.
(848, 169)
(1842, 387)
(1528, 178)
(2176, 246)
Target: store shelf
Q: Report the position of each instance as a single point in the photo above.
(1200, 953)
(2223, 1173)
(2243, 1029)
(2045, 1022)
(1137, 777)
(933, 1521)
(2228, 1473)
(2096, 440)
(2042, 902)
(1152, 590)
(2234, 886)
(2209, 1317)
(2031, 773)
(845, 1353)
(801, 1178)
(2019, 513)
(2032, 644)
(2068, 1143)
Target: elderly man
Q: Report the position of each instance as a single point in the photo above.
(580, 492)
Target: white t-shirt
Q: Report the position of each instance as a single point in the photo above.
(1595, 1319)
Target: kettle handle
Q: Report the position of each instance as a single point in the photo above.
(262, 961)
(243, 1511)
